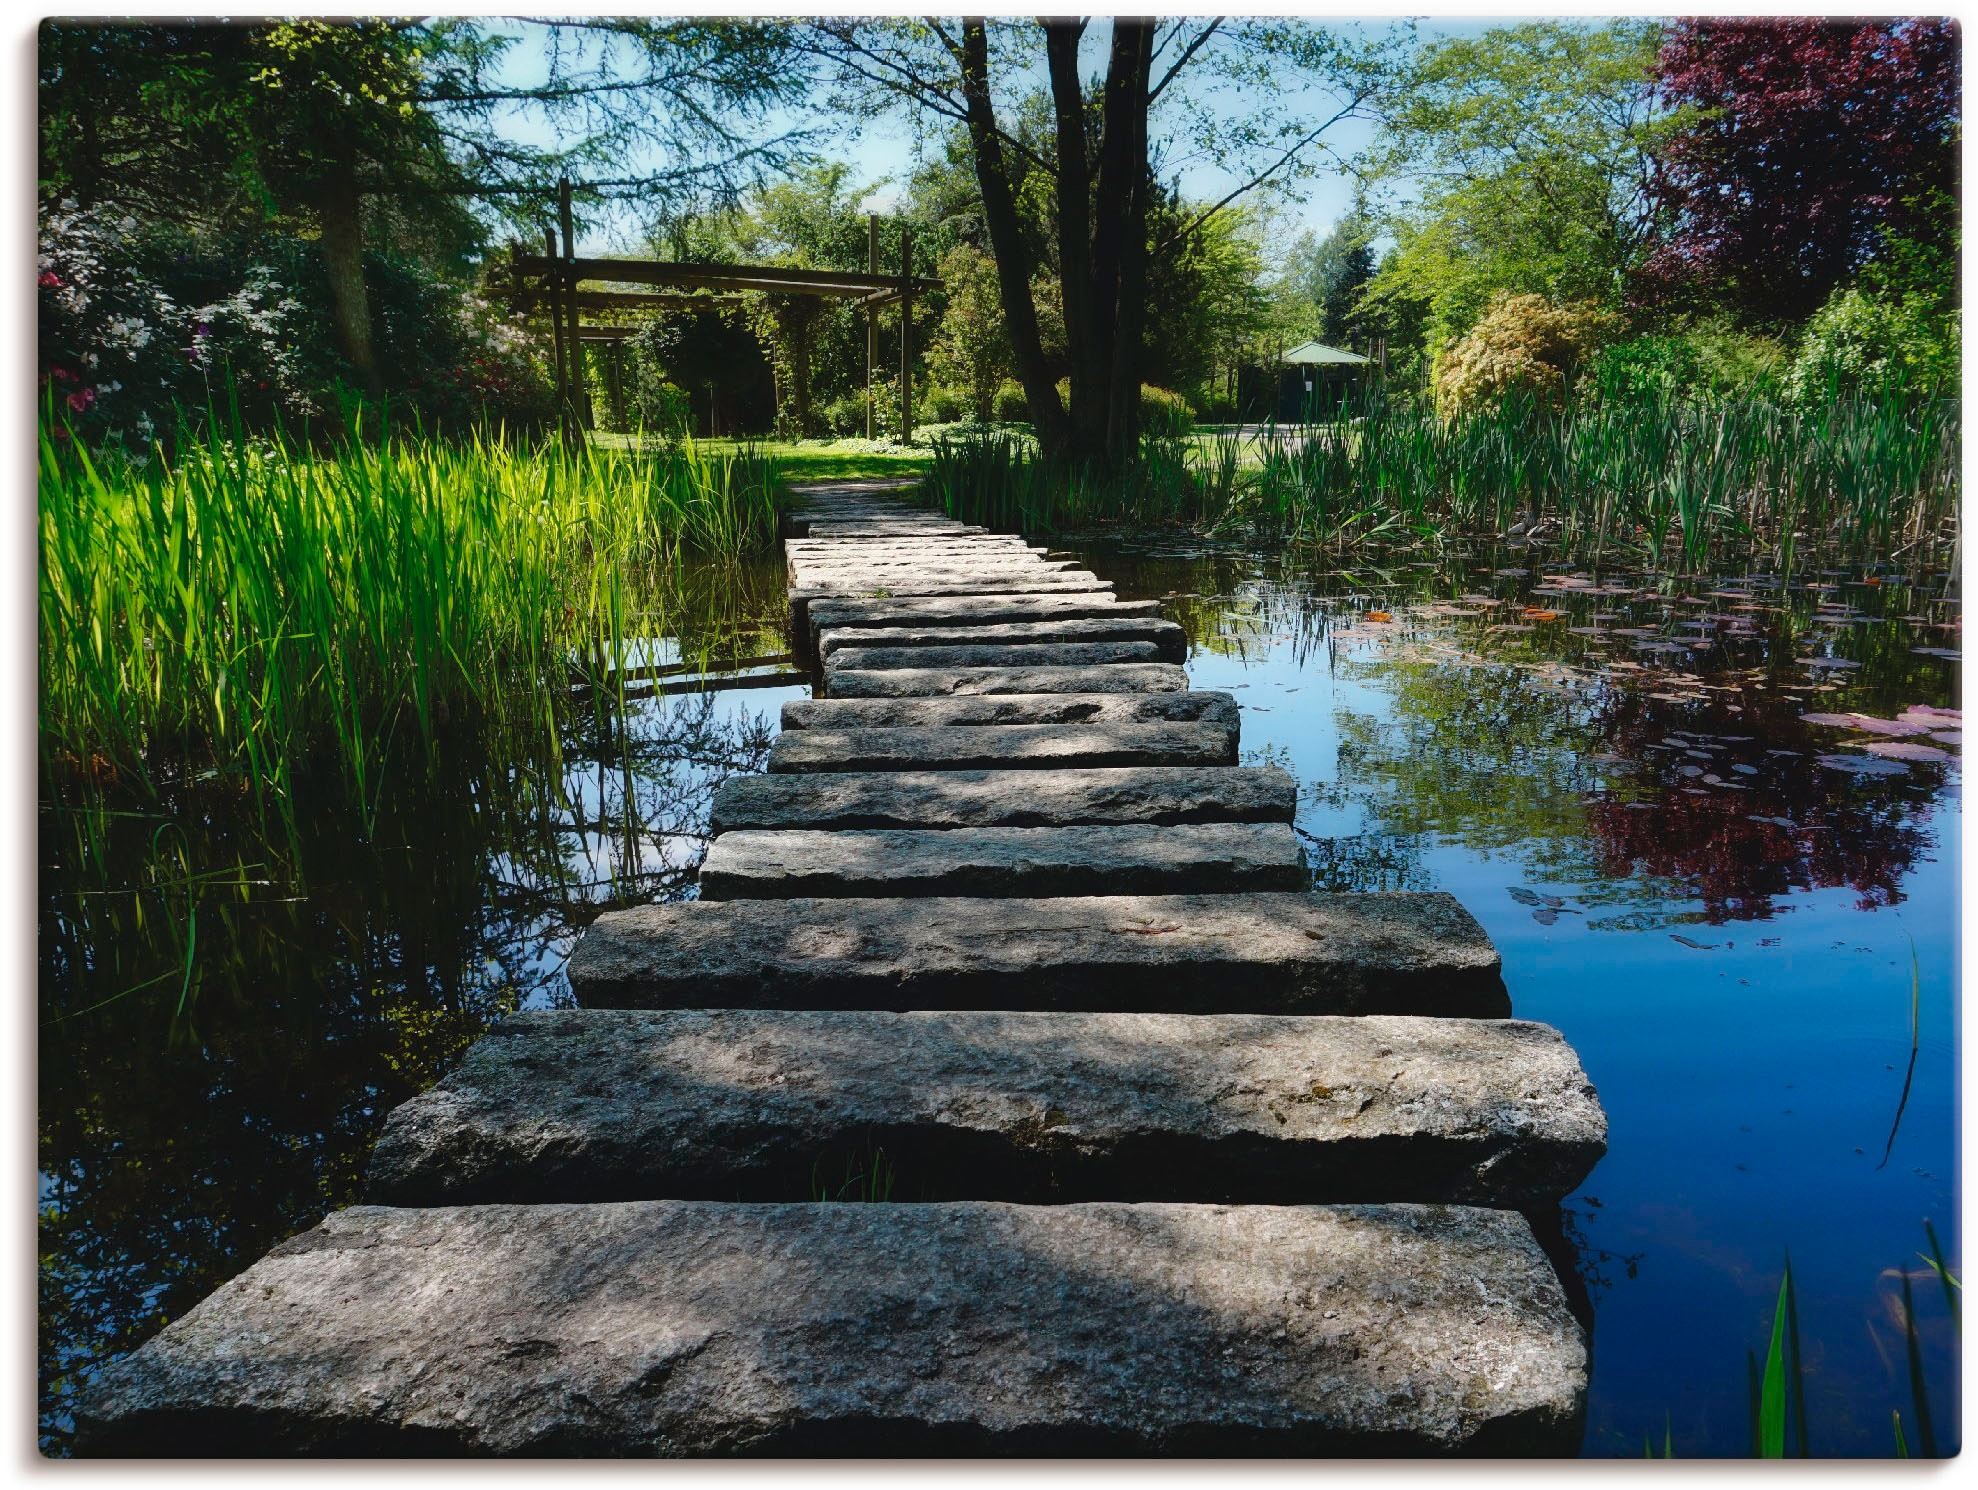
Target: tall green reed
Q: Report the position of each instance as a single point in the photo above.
(252, 607)
(1656, 473)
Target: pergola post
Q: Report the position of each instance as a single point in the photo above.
(554, 291)
(871, 328)
(906, 334)
(579, 390)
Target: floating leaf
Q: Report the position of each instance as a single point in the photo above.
(1836, 721)
(1906, 750)
(1890, 726)
(1948, 736)
(1541, 615)
(1699, 946)
(1862, 765)
(1524, 896)
(1545, 916)
(1938, 652)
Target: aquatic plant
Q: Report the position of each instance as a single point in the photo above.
(253, 607)
(1656, 474)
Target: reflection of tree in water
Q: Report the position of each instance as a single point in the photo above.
(1470, 755)
(1796, 825)
(1584, 786)
(228, 1014)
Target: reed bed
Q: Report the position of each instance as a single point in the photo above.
(1655, 475)
(254, 608)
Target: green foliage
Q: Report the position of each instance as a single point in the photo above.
(1530, 144)
(1011, 405)
(971, 350)
(1859, 339)
(247, 605)
(1164, 415)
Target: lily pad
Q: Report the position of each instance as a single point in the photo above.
(1863, 765)
(1907, 750)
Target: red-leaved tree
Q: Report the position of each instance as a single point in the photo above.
(1809, 137)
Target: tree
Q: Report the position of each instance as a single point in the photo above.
(971, 351)
(309, 127)
(1803, 141)
(1521, 343)
(1528, 147)
(1097, 160)
(1330, 273)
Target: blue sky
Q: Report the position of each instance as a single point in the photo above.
(885, 152)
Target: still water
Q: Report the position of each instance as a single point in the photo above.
(1743, 920)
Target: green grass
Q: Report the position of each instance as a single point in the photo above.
(833, 460)
(257, 609)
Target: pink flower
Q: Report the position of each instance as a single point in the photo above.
(81, 401)
(49, 280)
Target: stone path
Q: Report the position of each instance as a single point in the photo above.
(1006, 1091)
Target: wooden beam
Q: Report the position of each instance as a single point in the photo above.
(848, 284)
(631, 300)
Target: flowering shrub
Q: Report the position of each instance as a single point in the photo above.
(138, 325)
(1523, 341)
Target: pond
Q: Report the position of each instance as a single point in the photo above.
(1745, 921)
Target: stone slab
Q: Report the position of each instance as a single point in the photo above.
(1006, 799)
(1169, 640)
(930, 682)
(1126, 859)
(970, 711)
(1014, 747)
(1015, 654)
(974, 610)
(696, 1328)
(726, 1104)
(1388, 953)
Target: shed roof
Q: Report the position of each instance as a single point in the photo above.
(1316, 352)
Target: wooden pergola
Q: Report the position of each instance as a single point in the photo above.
(567, 286)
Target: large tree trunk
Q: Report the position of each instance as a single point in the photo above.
(340, 210)
(1119, 248)
(1074, 168)
(999, 212)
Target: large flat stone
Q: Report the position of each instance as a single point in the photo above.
(693, 1327)
(1017, 746)
(927, 682)
(974, 610)
(606, 1104)
(1131, 859)
(1005, 799)
(1169, 640)
(1180, 954)
(1033, 654)
(966, 711)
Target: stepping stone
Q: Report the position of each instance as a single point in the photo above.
(1169, 640)
(1030, 746)
(695, 1327)
(1040, 654)
(1195, 858)
(1206, 705)
(925, 682)
(1054, 582)
(975, 610)
(1005, 799)
(727, 1104)
(1386, 953)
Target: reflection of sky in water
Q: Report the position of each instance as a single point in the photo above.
(1745, 1017)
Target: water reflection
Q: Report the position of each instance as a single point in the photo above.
(228, 1012)
(1744, 919)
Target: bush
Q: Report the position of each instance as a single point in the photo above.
(1011, 405)
(1164, 415)
(944, 405)
(844, 416)
(1858, 340)
(1522, 342)
(138, 323)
